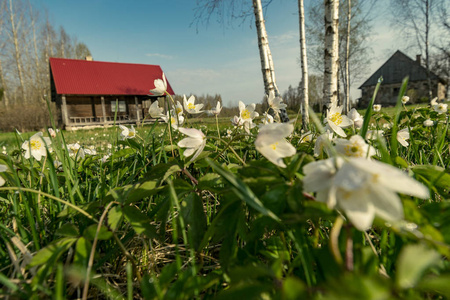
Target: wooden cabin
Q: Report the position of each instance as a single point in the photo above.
(393, 71)
(86, 91)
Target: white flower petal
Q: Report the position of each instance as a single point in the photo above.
(361, 213)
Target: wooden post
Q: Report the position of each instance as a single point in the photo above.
(103, 109)
(136, 104)
(64, 111)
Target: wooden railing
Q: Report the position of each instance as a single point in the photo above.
(85, 120)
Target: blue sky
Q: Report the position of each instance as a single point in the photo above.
(205, 59)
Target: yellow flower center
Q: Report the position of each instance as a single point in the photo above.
(179, 110)
(191, 106)
(274, 146)
(336, 118)
(35, 145)
(353, 150)
(131, 133)
(74, 150)
(245, 114)
(173, 120)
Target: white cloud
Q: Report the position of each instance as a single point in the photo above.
(159, 55)
(287, 37)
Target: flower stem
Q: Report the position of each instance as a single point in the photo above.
(334, 239)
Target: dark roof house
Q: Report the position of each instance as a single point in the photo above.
(86, 91)
(393, 71)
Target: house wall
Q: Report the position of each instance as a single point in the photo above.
(91, 106)
(388, 93)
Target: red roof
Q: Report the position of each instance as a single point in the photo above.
(83, 77)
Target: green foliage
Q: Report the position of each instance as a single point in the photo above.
(147, 222)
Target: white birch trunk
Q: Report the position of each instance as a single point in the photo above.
(331, 55)
(304, 61)
(427, 45)
(2, 79)
(347, 54)
(16, 50)
(264, 50)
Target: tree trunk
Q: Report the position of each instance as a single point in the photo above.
(17, 52)
(305, 81)
(347, 54)
(38, 79)
(3, 82)
(427, 44)
(331, 55)
(264, 50)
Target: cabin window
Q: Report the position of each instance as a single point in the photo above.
(122, 107)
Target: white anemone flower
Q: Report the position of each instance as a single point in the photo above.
(357, 119)
(194, 143)
(52, 132)
(402, 136)
(428, 123)
(216, 110)
(374, 134)
(434, 101)
(75, 150)
(306, 137)
(236, 121)
(3, 168)
(376, 107)
(336, 120)
(275, 102)
(155, 111)
(271, 142)
(247, 113)
(248, 126)
(105, 158)
(356, 146)
(160, 86)
(175, 121)
(267, 119)
(190, 106)
(178, 109)
(361, 188)
(322, 142)
(127, 133)
(36, 146)
(405, 99)
(440, 108)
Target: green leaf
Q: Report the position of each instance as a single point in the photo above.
(134, 192)
(103, 234)
(435, 175)
(439, 284)
(50, 254)
(115, 217)
(194, 216)
(294, 289)
(123, 153)
(211, 182)
(413, 261)
(68, 230)
(242, 190)
(82, 252)
(139, 221)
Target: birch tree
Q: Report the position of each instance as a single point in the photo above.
(304, 63)
(356, 30)
(15, 21)
(209, 7)
(347, 55)
(331, 53)
(267, 67)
